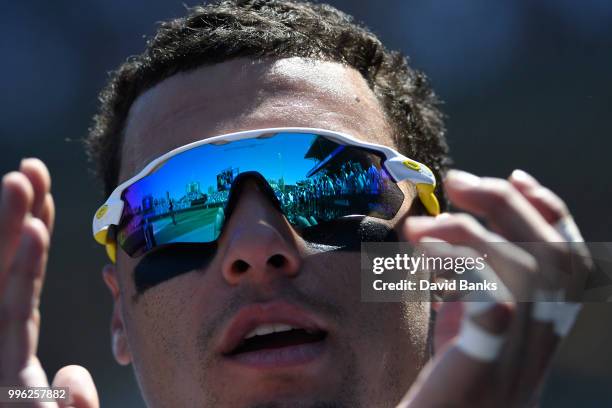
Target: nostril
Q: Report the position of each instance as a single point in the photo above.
(240, 266)
(277, 260)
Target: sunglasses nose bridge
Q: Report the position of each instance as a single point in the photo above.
(251, 180)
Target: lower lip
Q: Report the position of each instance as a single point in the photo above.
(282, 356)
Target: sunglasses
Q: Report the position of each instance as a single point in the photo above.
(313, 176)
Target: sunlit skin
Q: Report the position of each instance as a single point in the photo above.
(170, 333)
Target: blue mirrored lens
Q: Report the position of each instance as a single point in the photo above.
(314, 179)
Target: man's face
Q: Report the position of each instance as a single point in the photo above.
(185, 328)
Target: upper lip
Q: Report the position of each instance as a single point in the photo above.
(253, 315)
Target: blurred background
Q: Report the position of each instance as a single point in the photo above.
(525, 84)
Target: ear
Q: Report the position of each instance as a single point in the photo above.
(119, 342)
(448, 322)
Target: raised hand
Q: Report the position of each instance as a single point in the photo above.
(504, 357)
(26, 221)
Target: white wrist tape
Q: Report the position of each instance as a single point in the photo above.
(477, 342)
(568, 229)
(549, 307)
(545, 305)
(566, 317)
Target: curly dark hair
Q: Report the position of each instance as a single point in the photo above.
(213, 33)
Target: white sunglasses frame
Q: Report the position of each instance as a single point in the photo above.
(400, 168)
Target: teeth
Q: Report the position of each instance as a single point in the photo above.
(264, 329)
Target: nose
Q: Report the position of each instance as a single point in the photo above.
(257, 244)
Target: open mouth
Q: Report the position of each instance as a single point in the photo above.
(270, 337)
(274, 334)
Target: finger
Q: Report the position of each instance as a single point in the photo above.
(550, 206)
(16, 201)
(447, 323)
(477, 385)
(38, 175)
(537, 350)
(532, 343)
(503, 207)
(471, 267)
(47, 215)
(455, 227)
(460, 235)
(513, 217)
(82, 390)
(516, 267)
(31, 375)
(555, 211)
(20, 318)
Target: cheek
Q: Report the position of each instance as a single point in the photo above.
(390, 343)
(388, 340)
(162, 331)
(336, 278)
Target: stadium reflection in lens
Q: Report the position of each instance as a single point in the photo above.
(314, 178)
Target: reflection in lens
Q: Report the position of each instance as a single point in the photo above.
(314, 178)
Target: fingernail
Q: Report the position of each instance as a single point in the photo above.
(24, 161)
(461, 179)
(520, 175)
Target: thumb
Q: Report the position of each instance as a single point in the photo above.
(82, 391)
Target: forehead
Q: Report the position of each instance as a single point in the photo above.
(243, 94)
